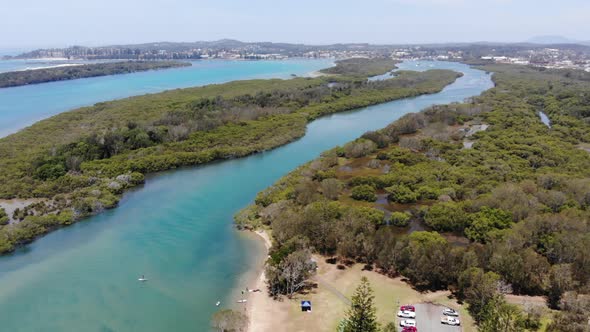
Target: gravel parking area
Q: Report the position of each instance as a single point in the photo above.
(428, 319)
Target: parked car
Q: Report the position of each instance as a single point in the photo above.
(450, 312)
(410, 329)
(407, 323)
(406, 314)
(407, 308)
(450, 320)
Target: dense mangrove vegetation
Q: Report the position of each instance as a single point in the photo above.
(480, 198)
(80, 162)
(361, 67)
(44, 75)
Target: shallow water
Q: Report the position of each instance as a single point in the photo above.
(177, 230)
(545, 119)
(24, 105)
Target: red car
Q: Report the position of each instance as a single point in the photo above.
(410, 329)
(407, 308)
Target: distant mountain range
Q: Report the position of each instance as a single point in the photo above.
(232, 44)
(556, 40)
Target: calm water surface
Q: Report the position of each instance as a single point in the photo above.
(545, 119)
(177, 230)
(24, 105)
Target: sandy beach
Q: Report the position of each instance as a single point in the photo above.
(53, 66)
(314, 74)
(263, 312)
(47, 59)
(319, 73)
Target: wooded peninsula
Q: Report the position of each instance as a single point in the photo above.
(44, 75)
(361, 67)
(481, 198)
(79, 163)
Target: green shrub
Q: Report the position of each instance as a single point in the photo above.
(427, 193)
(485, 221)
(359, 148)
(401, 194)
(3, 217)
(364, 192)
(374, 216)
(137, 178)
(50, 171)
(400, 219)
(448, 216)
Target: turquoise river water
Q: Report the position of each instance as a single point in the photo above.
(22, 106)
(177, 230)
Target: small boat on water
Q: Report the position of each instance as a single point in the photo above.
(142, 278)
(218, 303)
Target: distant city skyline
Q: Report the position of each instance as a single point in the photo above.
(59, 23)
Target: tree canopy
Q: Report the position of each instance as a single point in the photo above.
(361, 317)
(43, 75)
(80, 162)
(496, 201)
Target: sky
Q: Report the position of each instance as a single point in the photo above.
(59, 23)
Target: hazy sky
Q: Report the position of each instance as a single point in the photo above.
(43, 23)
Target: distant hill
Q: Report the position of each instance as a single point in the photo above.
(555, 40)
(229, 48)
(189, 50)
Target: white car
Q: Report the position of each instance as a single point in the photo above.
(407, 323)
(450, 321)
(450, 312)
(406, 314)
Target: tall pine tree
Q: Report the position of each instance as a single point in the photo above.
(361, 316)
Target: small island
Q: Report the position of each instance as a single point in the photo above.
(361, 67)
(64, 73)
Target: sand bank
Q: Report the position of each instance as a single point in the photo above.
(9, 205)
(263, 312)
(54, 66)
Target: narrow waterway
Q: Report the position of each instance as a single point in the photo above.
(177, 230)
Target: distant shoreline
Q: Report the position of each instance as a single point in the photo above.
(66, 72)
(7, 58)
(46, 59)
